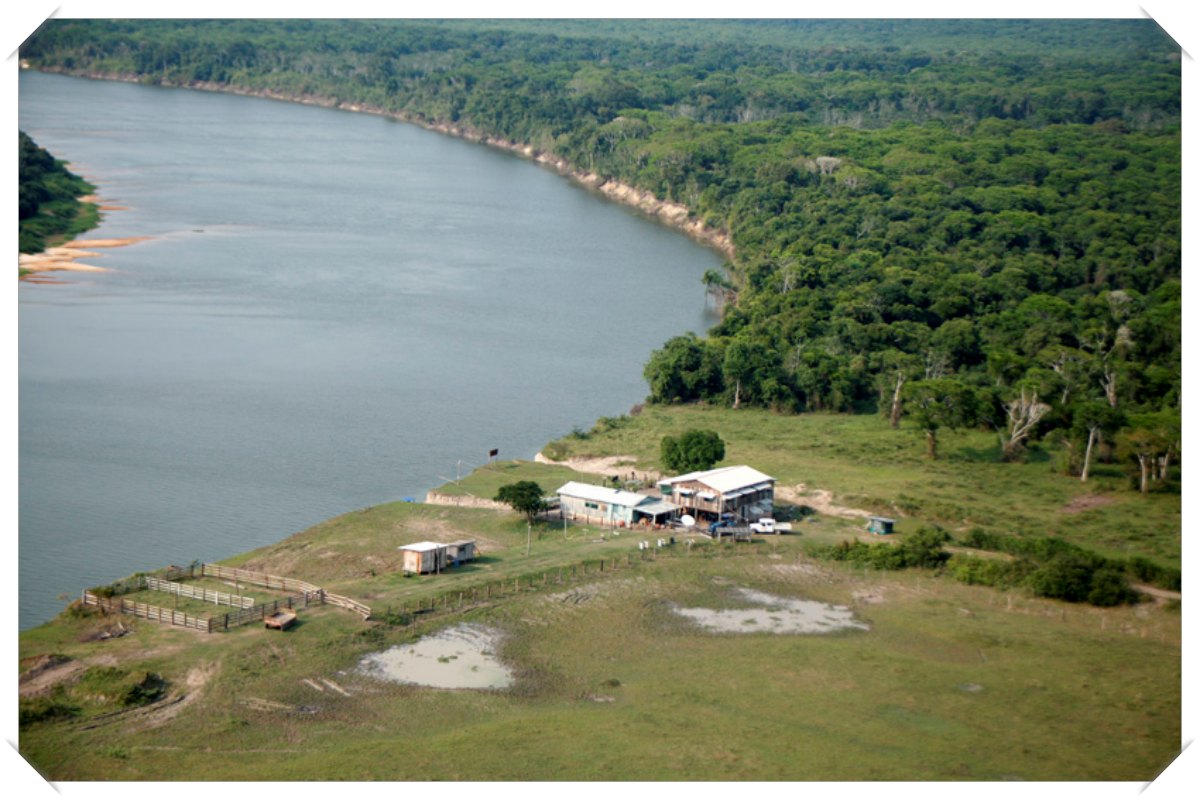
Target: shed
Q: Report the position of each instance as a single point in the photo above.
(424, 557)
(880, 525)
(461, 551)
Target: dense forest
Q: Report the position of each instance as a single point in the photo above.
(48, 202)
(961, 222)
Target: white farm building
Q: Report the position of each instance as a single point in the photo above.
(618, 508)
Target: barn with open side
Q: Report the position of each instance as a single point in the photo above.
(740, 490)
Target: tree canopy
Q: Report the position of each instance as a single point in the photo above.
(48, 201)
(992, 202)
(691, 451)
(525, 497)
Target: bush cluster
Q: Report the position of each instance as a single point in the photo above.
(920, 549)
(1044, 551)
(41, 709)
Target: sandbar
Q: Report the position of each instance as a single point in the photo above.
(65, 257)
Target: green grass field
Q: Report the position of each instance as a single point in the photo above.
(868, 465)
(950, 682)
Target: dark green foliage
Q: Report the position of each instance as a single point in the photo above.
(1164, 577)
(1110, 588)
(149, 688)
(922, 548)
(1051, 567)
(684, 370)
(48, 201)
(1040, 549)
(994, 203)
(995, 572)
(1066, 576)
(525, 497)
(692, 451)
(394, 618)
(42, 709)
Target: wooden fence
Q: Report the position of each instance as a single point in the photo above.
(198, 593)
(245, 616)
(303, 594)
(345, 602)
(257, 578)
(495, 590)
(120, 605)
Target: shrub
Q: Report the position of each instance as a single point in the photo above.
(150, 688)
(1163, 577)
(395, 618)
(924, 548)
(693, 450)
(1110, 588)
(1064, 577)
(41, 709)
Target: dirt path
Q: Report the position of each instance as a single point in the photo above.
(162, 711)
(601, 465)
(819, 499)
(1159, 595)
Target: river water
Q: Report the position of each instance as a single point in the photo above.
(333, 311)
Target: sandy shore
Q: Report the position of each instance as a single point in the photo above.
(66, 257)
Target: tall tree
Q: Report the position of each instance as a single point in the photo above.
(939, 403)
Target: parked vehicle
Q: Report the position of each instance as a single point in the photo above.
(769, 525)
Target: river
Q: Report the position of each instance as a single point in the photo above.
(335, 309)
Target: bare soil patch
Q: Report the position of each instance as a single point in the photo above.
(170, 707)
(602, 465)
(47, 671)
(1086, 502)
(461, 657)
(774, 614)
(819, 499)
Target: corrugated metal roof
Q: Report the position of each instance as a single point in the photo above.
(422, 547)
(727, 479)
(601, 494)
(656, 507)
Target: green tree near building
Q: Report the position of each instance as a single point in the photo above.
(525, 497)
(692, 451)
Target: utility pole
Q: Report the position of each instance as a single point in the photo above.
(528, 535)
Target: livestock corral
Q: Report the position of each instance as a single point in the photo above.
(196, 599)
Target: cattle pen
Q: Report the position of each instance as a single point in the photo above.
(243, 610)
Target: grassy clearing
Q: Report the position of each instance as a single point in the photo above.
(487, 480)
(868, 465)
(951, 682)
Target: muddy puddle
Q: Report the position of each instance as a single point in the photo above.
(774, 614)
(461, 657)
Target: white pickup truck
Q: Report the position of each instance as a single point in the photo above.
(769, 525)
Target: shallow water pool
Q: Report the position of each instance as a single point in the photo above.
(460, 657)
(774, 614)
